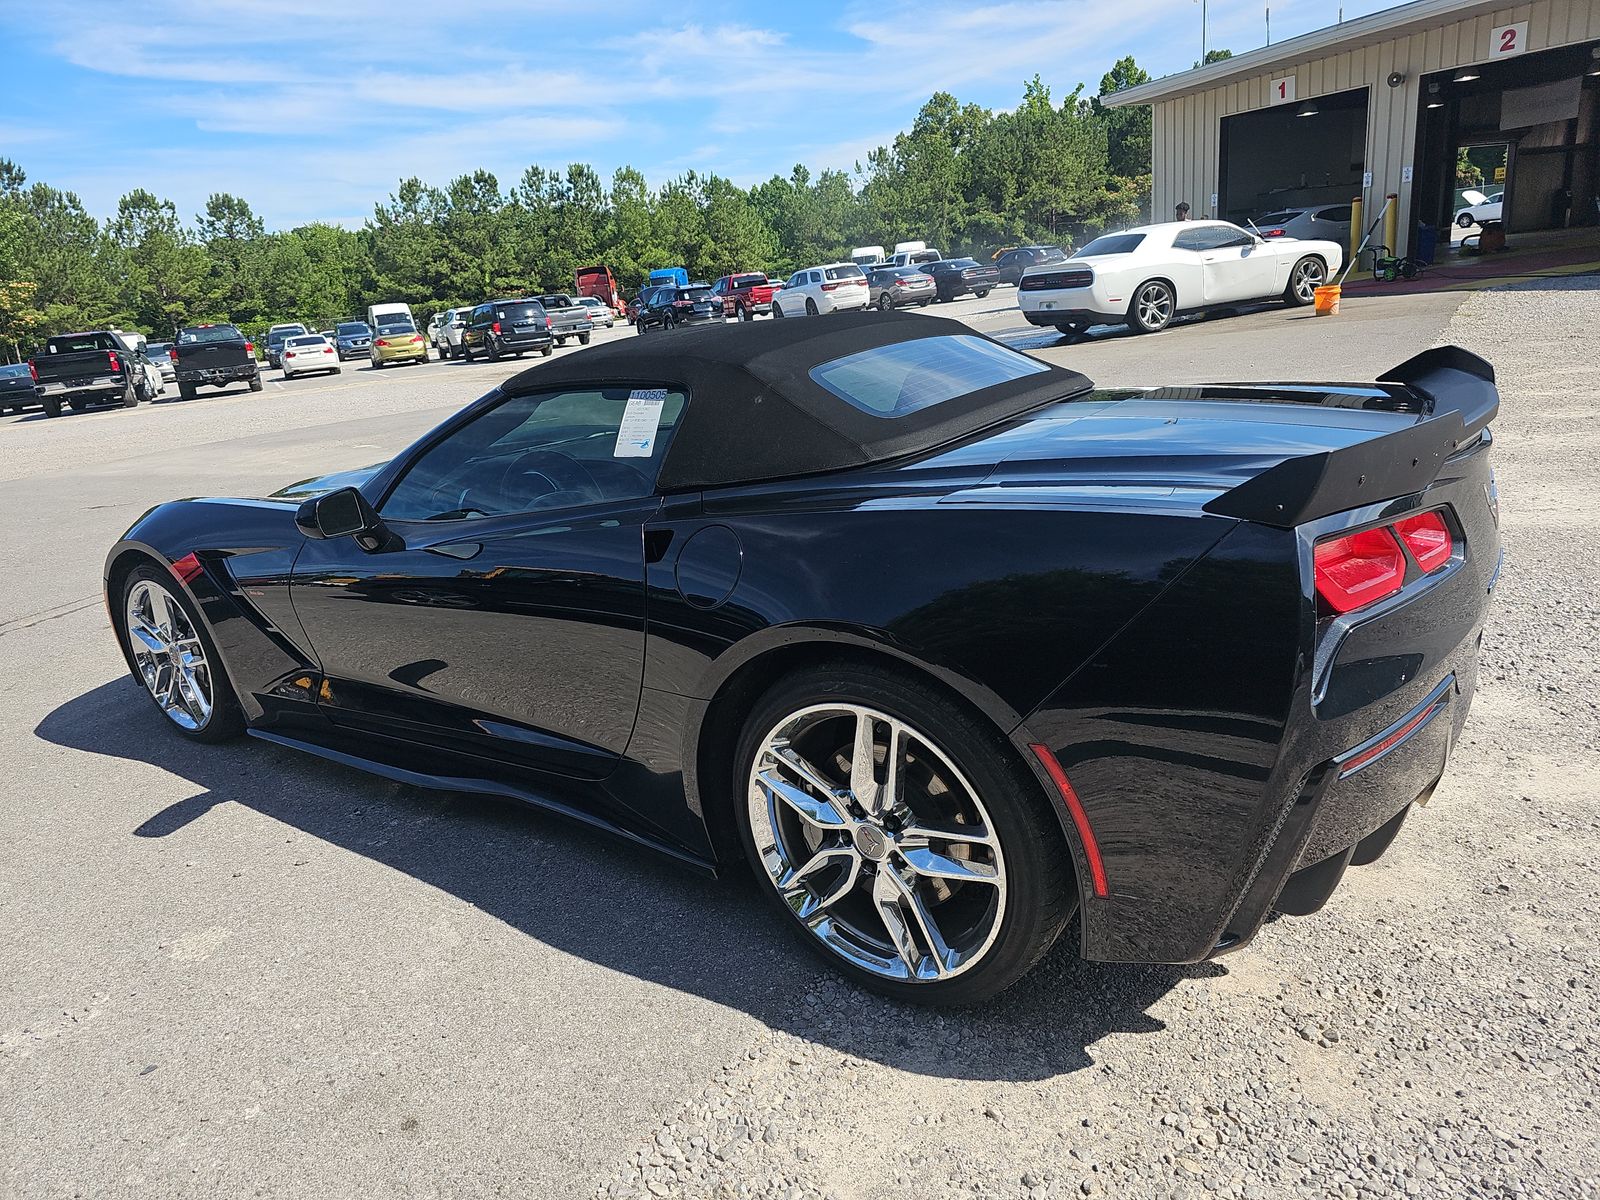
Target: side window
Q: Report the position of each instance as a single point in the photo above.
(1193, 239)
(1340, 214)
(1231, 235)
(541, 453)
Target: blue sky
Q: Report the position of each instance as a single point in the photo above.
(314, 109)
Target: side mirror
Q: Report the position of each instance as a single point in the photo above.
(342, 513)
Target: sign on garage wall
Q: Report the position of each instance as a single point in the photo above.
(1281, 91)
(1506, 40)
(1540, 105)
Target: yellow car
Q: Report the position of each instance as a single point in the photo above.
(398, 341)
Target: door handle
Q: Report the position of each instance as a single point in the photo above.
(461, 550)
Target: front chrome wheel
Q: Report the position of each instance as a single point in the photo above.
(168, 655)
(877, 842)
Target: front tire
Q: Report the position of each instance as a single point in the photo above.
(1305, 278)
(175, 659)
(903, 838)
(1465, 221)
(1152, 307)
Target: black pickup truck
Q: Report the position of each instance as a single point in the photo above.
(80, 369)
(213, 356)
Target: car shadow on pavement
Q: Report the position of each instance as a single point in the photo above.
(623, 907)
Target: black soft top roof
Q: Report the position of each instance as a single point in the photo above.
(754, 412)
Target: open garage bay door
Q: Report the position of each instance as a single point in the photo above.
(1294, 155)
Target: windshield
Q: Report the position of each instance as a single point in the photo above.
(1111, 243)
(906, 377)
(209, 333)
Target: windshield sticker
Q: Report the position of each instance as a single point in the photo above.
(636, 437)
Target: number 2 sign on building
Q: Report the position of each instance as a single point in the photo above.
(1281, 91)
(1507, 40)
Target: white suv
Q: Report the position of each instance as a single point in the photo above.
(451, 327)
(833, 287)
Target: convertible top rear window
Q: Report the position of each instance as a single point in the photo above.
(891, 381)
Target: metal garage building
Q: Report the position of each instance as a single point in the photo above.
(1383, 105)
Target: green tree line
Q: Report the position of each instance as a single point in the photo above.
(964, 178)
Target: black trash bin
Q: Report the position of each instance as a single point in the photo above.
(1427, 244)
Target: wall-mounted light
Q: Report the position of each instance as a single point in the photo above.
(1308, 109)
(1435, 96)
(1466, 75)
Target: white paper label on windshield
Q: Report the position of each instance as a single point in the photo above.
(636, 437)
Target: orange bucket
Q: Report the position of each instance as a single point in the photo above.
(1327, 300)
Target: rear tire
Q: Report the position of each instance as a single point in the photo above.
(956, 770)
(885, 303)
(1465, 221)
(77, 405)
(130, 396)
(583, 339)
(493, 349)
(186, 391)
(51, 406)
(466, 352)
(545, 353)
(256, 383)
(982, 293)
(1152, 307)
(811, 308)
(777, 311)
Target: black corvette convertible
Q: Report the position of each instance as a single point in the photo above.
(944, 642)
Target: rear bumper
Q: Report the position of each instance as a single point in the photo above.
(100, 385)
(219, 375)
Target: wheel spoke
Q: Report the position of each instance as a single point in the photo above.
(863, 764)
(786, 756)
(174, 615)
(890, 792)
(149, 637)
(921, 920)
(814, 810)
(796, 889)
(886, 897)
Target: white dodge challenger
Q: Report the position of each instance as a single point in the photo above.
(1144, 277)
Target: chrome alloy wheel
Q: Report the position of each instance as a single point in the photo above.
(1308, 277)
(1154, 305)
(877, 842)
(169, 654)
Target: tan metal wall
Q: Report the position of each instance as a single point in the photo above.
(1188, 130)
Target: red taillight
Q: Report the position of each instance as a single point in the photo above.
(112, 355)
(828, 287)
(1272, 233)
(549, 324)
(1358, 569)
(33, 370)
(327, 349)
(288, 353)
(415, 338)
(249, 348)
(1428, 538)
(187, 568)
(1080, 819)
(383, 341)
(172, 351)
(494, 327)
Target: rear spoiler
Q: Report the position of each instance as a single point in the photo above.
(1457, 393)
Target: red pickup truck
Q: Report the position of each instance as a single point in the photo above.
(745, 296)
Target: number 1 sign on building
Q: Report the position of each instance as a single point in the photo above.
(1281, 91)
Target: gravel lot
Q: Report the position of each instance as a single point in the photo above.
(241, 970)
